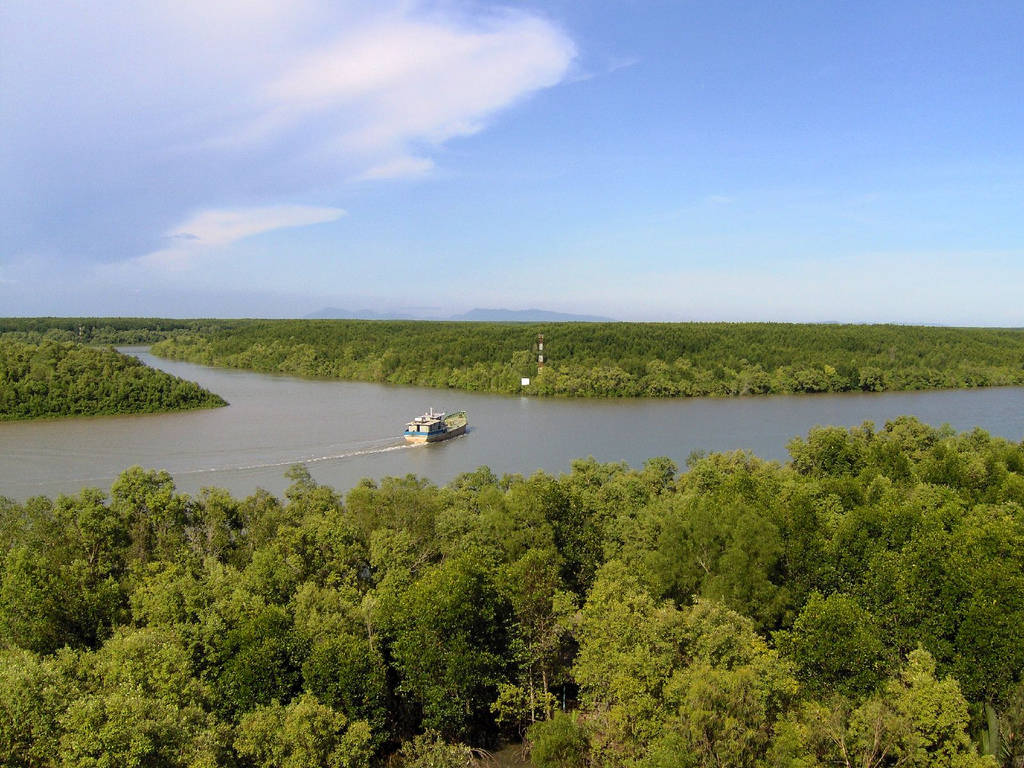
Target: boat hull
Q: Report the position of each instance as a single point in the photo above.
(437, 437)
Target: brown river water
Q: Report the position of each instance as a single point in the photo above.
(345, 431)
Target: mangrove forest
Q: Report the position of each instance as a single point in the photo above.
(860, 605)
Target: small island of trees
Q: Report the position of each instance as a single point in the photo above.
(51, 378)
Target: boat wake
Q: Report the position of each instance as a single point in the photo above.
(306, 460)
(105, 480)
(353, 452)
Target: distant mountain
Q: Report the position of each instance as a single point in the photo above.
(527, 316)
(474, 315)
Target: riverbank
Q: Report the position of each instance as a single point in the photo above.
(616, 360)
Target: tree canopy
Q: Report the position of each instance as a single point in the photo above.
(615, 359)
(859, 605)
(64, 378)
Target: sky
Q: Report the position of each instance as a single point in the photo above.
(642, 160)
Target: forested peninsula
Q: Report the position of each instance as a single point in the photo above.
(52, 378)
(615, 359)
(862, 604)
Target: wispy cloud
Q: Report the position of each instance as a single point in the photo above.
(610, 67)
(622, 63)
(204, 232)
(216, 102)
(386, 86)
(404, 167)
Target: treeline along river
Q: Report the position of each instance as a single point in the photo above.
(613, 359)
(345, 431)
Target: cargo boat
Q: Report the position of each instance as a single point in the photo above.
(432, 427)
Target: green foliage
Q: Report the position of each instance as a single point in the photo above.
(100, 330)
(430, 750)
(582, 359)
(301, 734)
(34, 693)
(917, 720)
(744, 613)
(837, 646)
(55, 378)
(560, 742)
(726, 694)
(344, 667)
(71, 590)
(664, 682)
(449, 641)
(614, 359)
(123, 728)
(628, 648)
(1008, 732)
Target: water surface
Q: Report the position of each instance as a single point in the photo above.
(344, 431)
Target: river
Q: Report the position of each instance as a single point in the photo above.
(345, 431)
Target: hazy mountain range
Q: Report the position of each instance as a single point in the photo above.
(474, 315)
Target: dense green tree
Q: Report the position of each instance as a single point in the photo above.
(989, 639)
(31, 609)
(628, 647)
(140, 704)
(34, 694)
(52, 378)
(124, 728)
(449, 640)
(155, 515)
(216, 526)
(70, 590)
(726, 696)
(837, 646)
(344, 668)
(543, 616)
(302, 733)
(257, 659)
(430, 750)
(917, 720)
(560, 742)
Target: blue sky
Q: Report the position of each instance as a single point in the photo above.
(850, 161)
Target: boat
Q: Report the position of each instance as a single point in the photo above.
(432, 427)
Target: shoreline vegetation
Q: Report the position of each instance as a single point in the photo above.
(605, 360)
(861, 604)
(57, 379)
(616, 359)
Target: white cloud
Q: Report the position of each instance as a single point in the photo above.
(408, 78)
(403, 167)
(204, 232)
(162, 107)
(363, 89)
